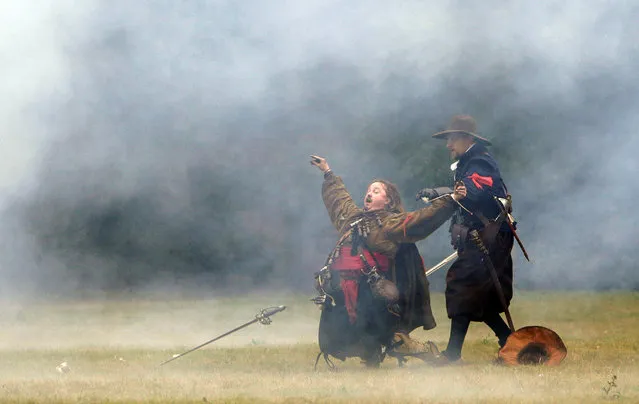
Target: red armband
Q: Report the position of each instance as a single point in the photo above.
(479, 180)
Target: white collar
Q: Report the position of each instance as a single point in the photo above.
(453, 166)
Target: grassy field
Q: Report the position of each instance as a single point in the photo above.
(113, 349)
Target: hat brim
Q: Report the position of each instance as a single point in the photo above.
(533, 345)
(444, 135)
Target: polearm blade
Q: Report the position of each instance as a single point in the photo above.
(442, 264)
(262, 317)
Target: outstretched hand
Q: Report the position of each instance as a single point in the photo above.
(459, 191)
(320, 163)
(428, 193)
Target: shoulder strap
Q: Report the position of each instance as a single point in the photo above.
(341, 241)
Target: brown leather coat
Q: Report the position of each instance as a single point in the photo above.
(387, 233)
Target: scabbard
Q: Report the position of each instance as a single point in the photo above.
(521, 245)
(474, 236)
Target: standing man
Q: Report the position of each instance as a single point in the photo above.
(470, 292)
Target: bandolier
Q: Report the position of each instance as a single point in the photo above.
(362, 308)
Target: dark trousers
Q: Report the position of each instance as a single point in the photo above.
(459, 328)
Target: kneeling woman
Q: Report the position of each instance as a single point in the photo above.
(364, 314)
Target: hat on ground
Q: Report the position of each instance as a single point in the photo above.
(533, 345)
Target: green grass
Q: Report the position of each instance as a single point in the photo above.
(113, 349)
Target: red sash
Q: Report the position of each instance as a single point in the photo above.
(352, 266)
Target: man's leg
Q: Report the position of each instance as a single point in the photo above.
(458, 329)
(499, 327)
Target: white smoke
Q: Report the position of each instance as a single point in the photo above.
(139, 104)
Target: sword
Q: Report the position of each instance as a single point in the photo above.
(262, 317)
(442, 264)
(426, 200)
(521, 245)
(510, 220)
(452, 256)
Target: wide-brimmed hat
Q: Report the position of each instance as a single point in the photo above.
(462, 124)
(533, 345)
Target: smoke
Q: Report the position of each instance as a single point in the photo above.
(157, 143)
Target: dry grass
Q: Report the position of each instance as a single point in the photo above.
(114, 348)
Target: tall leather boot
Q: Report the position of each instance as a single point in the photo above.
(499, 327)
(458, 329)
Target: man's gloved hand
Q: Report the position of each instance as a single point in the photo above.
(428, 193)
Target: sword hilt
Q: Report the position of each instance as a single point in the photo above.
(264, 314)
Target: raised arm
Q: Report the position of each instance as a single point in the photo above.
(339, 204)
